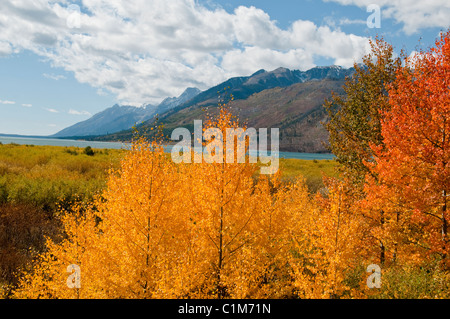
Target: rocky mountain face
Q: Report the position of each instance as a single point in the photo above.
(297, 110)
(113, 119)
(243, 87)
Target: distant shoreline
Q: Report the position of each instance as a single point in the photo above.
(52, 141)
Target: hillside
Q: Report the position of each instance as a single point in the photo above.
(297, 110)
(113, 119)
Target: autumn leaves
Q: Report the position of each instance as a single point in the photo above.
(412, 166)
(391, 136)
(219, 230)
(166, 230)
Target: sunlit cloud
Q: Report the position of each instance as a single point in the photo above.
(55, 77)
(143, 51)
(414, 15)
(7, 102)
(51, 110)
(75, 112)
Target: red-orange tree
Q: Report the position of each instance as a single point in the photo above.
(414, 165)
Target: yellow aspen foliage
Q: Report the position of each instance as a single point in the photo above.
(166, 230)
(239, 223)
(330, 242)
(127, 242)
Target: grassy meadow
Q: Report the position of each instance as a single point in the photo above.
(35, 183)
(311, 170)
(43, 175)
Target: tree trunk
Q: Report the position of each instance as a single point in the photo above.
(382, 247)
(444, 227)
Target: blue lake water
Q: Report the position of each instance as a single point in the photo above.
(118, 145)
(60, 142)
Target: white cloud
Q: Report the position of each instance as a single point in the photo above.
(414, 15)
(75, 112)
(27, 105)
(55, 77)
(347, 21)
(51, 110)
(7, 102)
(5, 48)
(143, 51)
(252, 58)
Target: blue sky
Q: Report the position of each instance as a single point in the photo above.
(63, 61)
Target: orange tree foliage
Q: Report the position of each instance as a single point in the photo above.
(241, 223)
(414, 166)
(166, 230)
(218, 230)
(125, 240)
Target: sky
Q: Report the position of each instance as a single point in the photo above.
(63, 61)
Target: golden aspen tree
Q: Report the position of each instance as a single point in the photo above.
(330, 242)
(236, 217)
(165, 230)
(127, 242)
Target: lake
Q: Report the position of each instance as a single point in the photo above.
(59, 142)
(119, 145)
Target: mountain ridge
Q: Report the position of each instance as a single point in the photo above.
(244, 86)
(122, 117)
(289, 99)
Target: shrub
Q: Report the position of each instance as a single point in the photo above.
(88, 151)
(71, 151)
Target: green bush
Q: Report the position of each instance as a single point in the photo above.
(88, 151)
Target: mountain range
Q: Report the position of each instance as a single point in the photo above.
(123, 117)
(291, 100)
